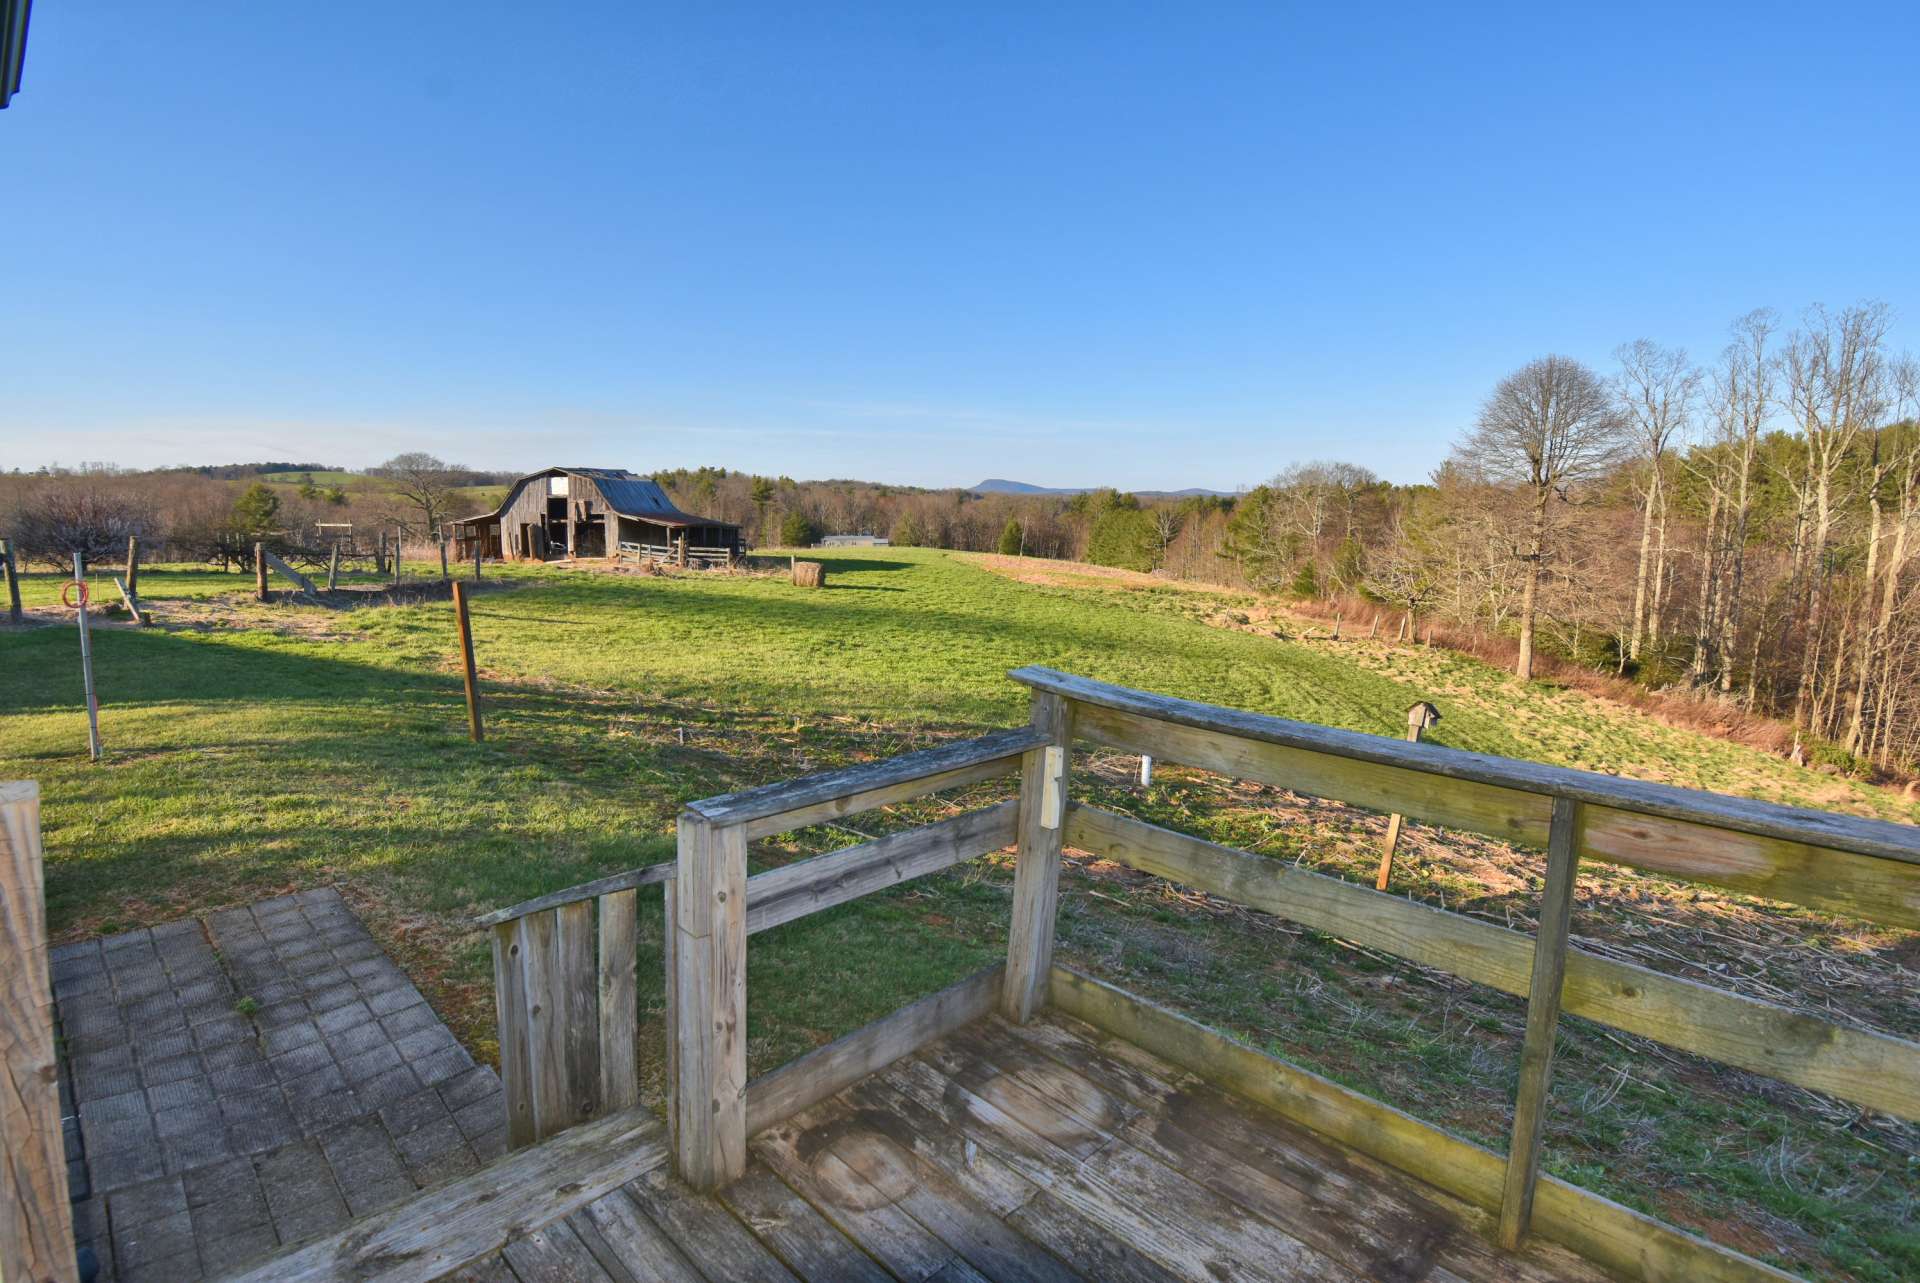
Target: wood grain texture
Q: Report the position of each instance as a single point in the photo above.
(710, 996)
(544, 978)
(578, 983)
(618, 1001)
(301, 581)
(1036, 875)
(36, 1221)
(1868, 869)
(473, 1216)
(778, 1095)
(1848, 833)
(516, 1052)
(1870, 1069)
(641, 877)
(795, 803)
(1543, 1026)
(1618, 1238)
(808, 886)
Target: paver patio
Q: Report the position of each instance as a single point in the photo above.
(239, 1083)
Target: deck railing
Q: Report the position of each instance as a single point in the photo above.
(1862, 868)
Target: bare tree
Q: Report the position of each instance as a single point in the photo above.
(1655, 387)
(1547, 427)
(80, 515)
(426, 483)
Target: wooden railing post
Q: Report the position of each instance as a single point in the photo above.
(1419, 717)
(707, 964)
(1036, 876)
(1543, 1019)
(36, 1221)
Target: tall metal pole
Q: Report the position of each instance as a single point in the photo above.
(86, 660)
(474, 728)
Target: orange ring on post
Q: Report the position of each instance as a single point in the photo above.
(66, 591)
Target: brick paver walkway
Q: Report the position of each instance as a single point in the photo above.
(235, 1085)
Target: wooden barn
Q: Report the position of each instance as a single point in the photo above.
(594, 512)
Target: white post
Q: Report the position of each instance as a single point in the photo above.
(1146, 771)
(86, 660)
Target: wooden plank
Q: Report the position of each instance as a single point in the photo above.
(710, 991)
(469, 1218)
(1848, 833)
(36, 1220)
(1871, 1069)
(301, 581)
(1091, 1250)
(132, 602)
(1868, 869)
(618, 1001)
(578, 985)
(803, 1239)
(776, 1096)
(646, 876)
(1163, 1214)
(629, 1235)
(516, 1038)
(1373, 1219)
(1036, 877)
(808, 886)
(718, 1245)
(859, 1190)
(1543, 1025)
(1616, 1237)
(554, 1254)
(1505, 813)
(792, 804)
(544, 977)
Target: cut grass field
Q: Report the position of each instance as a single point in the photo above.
(258, 748)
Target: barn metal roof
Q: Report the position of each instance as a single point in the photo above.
(627, 493)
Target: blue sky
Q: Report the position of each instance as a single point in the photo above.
(1145, 245)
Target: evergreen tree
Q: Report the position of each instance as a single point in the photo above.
(1011, 539)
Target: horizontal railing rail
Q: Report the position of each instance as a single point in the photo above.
(1862, 868)
(631, 880)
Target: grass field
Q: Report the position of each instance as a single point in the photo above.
(256, 748)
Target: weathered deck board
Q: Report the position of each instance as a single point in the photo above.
(1047, 1152)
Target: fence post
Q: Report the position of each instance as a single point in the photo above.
(1036, 877)
(1419, 717)
(333, 567)
(1543, 1019)
(707, 941)
(260, 571)
(133, 565)
(466, 663)
(396, 556)
(13, 584)
(86, 660)
(36, 1221)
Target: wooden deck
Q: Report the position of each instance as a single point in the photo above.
(1048, 1151)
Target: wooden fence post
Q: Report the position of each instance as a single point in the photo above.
(86, 661)
(1036, 877)
(1543, 1019)
(133, 565)
(36, 1220)
(260, 571)
(708, 945)
(474, 728)
(444, 576)
(13, 584)
(333, 567)
(477, 550)
(1419, 717)
(396, 556)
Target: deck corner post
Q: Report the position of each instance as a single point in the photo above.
(708, 942)
(36, 1220)
(1036, 879)
(1543, 1019)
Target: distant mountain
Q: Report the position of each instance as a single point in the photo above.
(999, 485)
